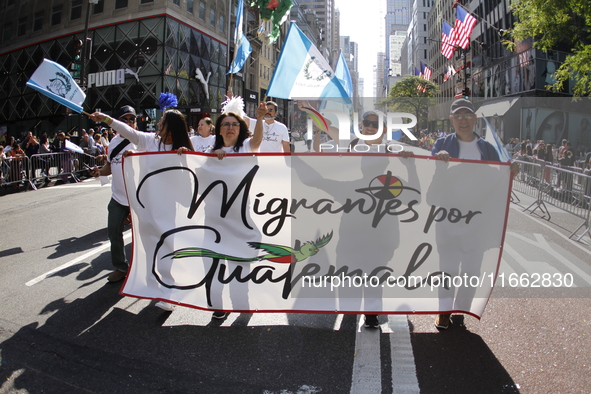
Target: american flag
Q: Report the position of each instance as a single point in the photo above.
(447, 40)
(450, 72)
(463, 29)
(417, 72)
(426, 72)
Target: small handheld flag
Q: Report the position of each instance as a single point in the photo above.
(54, 81)
(492, 137)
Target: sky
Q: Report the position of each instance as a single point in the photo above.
(364, 23)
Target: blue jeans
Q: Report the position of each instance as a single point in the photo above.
(115, 223)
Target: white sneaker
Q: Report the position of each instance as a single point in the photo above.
(165, 306)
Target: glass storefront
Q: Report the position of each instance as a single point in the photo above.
(130, 63)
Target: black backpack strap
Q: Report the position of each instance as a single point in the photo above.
(118, 149)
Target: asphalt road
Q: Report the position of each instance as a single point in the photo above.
(70, 331)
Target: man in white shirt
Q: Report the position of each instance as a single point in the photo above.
(276, 136)
(118, 206)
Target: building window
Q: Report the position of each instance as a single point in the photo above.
(120, 4)
(76, 10)
(6, 32)
(202, 10)
(38, 21)
(190, 6)
(212, 17)
(176, 2)
(22, 26)
(222, 23)
(56, 15)
(98, 7)
(146, 1)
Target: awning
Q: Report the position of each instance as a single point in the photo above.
(496, 107)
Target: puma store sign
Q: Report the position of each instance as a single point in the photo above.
(111, 77)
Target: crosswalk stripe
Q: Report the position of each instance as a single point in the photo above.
(404, 375)
(367, 368)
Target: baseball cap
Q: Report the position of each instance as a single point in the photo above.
(369, 113)
(126, 110)
(461, 104)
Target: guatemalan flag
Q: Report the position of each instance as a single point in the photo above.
(242, 46)
(344, 75)
(492, 137)
(54, 81)
(303, 72)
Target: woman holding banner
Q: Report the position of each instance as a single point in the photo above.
(231, 134)
(172, 134)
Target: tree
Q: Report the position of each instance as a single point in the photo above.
(562, 25)
(414, 95)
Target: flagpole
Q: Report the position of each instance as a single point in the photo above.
(229, 32)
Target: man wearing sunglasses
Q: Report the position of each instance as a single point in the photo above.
(118, 206)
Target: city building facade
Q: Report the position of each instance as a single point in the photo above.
(135, 50)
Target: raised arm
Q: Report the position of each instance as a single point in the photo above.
(257, 137)
(124, 129)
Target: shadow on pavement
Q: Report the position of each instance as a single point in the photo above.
(458, 361)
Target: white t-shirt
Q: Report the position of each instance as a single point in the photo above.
(469, 150)
(273, 135)
(201, 144)
(245, 148)
(118, 185)
(145, 142)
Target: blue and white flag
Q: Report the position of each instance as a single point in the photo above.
(492, 137)
(242, 46)
(303, 72)
(54, 81)
(342, 73)
(73, 147)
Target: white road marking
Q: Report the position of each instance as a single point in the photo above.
(338, 322)
(404, 373)
(540, 222)
(541, 243)
(367, 368)
(98, 249)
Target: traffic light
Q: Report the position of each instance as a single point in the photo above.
(77, 50)
(76, 64)
(466, 93)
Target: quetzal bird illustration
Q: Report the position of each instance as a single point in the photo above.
(276, 253)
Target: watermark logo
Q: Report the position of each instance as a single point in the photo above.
(394, 122)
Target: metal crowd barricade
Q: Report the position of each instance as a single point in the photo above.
(15, 170)
(564, 188)
(528, 181)
(62, 165)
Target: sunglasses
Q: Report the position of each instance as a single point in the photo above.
(128, 120)
(367, 123)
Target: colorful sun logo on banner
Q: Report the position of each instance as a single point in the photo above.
(386, 187)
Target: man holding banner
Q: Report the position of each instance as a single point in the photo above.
(463, 144)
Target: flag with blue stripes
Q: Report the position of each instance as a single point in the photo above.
(54, 81)
(242, 45)
(303, 72)
(492, 137)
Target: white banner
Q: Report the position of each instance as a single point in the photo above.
(324, 233)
